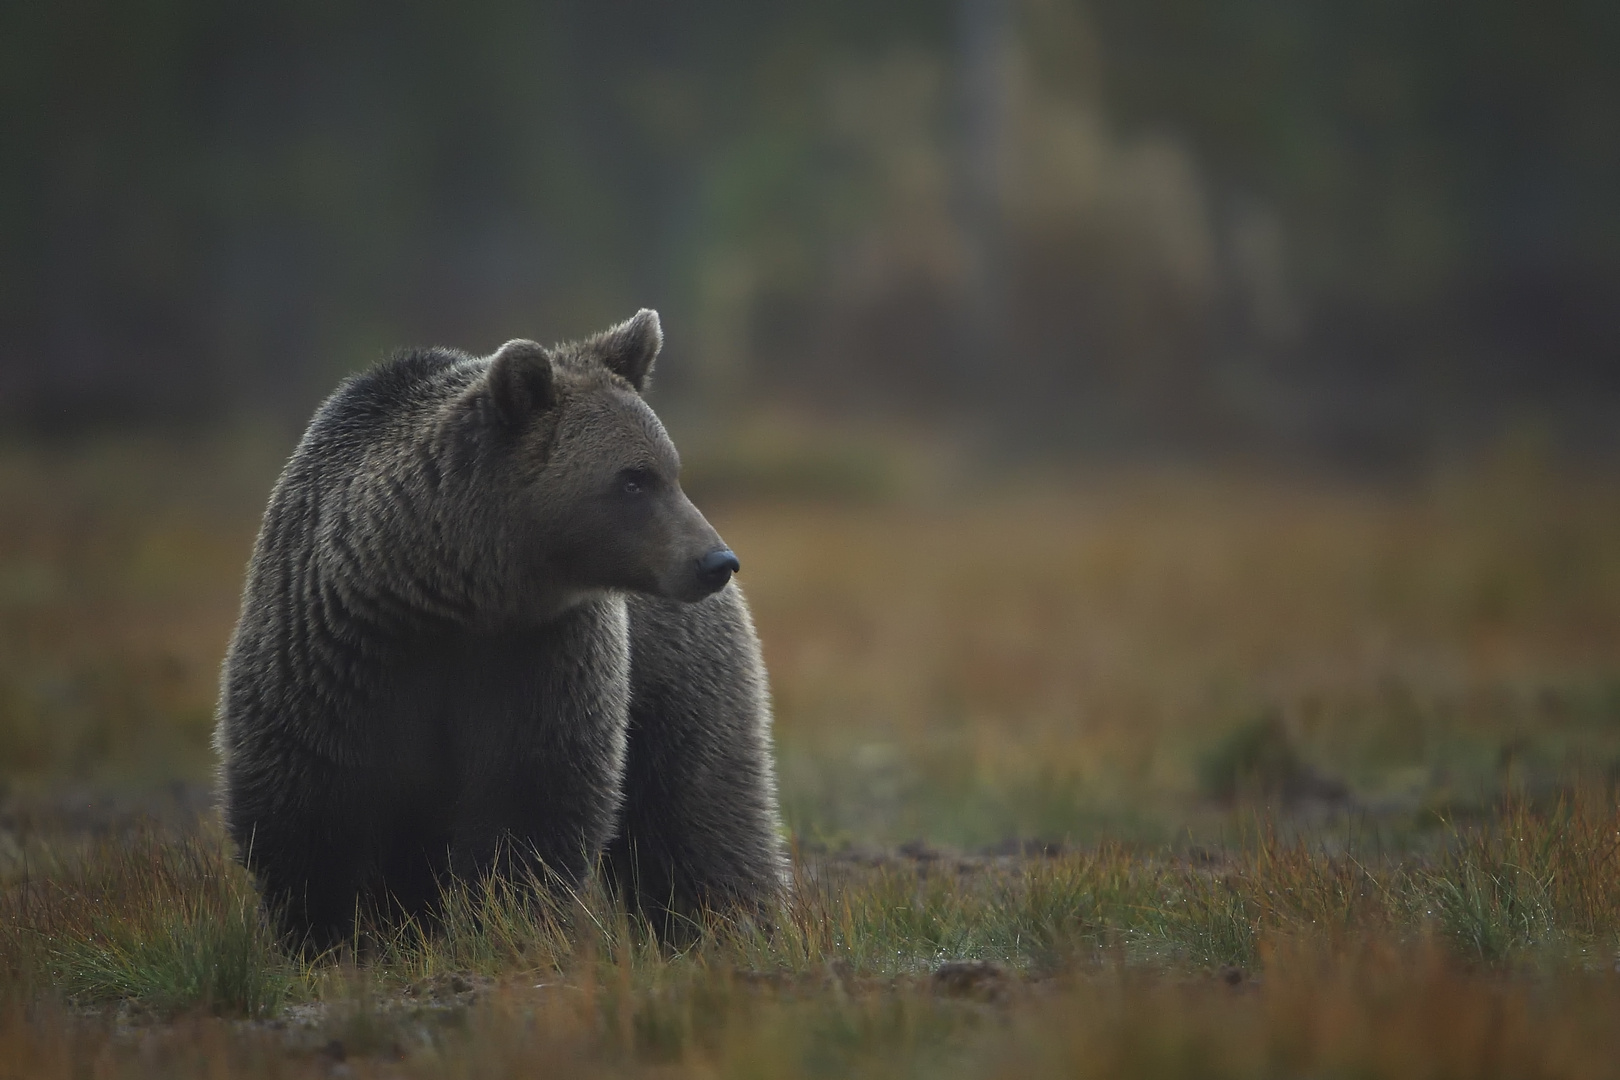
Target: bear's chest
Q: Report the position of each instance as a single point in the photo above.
(466, 701)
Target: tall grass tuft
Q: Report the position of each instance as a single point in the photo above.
(1528, 878)
(168, 925)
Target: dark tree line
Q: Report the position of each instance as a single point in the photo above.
(1402, 217)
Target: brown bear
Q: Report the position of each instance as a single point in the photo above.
(484, 630)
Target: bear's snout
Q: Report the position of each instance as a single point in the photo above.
(716, 568)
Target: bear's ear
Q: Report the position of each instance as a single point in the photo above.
(521, 380)
(630, 348)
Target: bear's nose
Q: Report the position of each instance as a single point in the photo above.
(716, 568)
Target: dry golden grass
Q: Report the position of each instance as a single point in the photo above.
(1330, 770)
(1374, 1012)
(1059, 664)
(1495, 957)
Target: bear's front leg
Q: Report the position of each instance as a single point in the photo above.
(540, 734)
(310, 858)
(533, 820)
(699, 829)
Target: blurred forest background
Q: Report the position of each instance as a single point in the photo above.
(1354, 230)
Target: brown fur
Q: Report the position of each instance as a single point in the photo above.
(477, 620)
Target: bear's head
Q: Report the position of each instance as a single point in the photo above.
(589, 478)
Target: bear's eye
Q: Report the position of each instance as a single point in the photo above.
(635, 482)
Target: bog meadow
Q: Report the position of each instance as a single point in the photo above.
(1142, 772)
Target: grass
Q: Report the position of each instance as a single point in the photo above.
(1143, 773)
(172, 924)
(168, 925)
(1271, 957)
